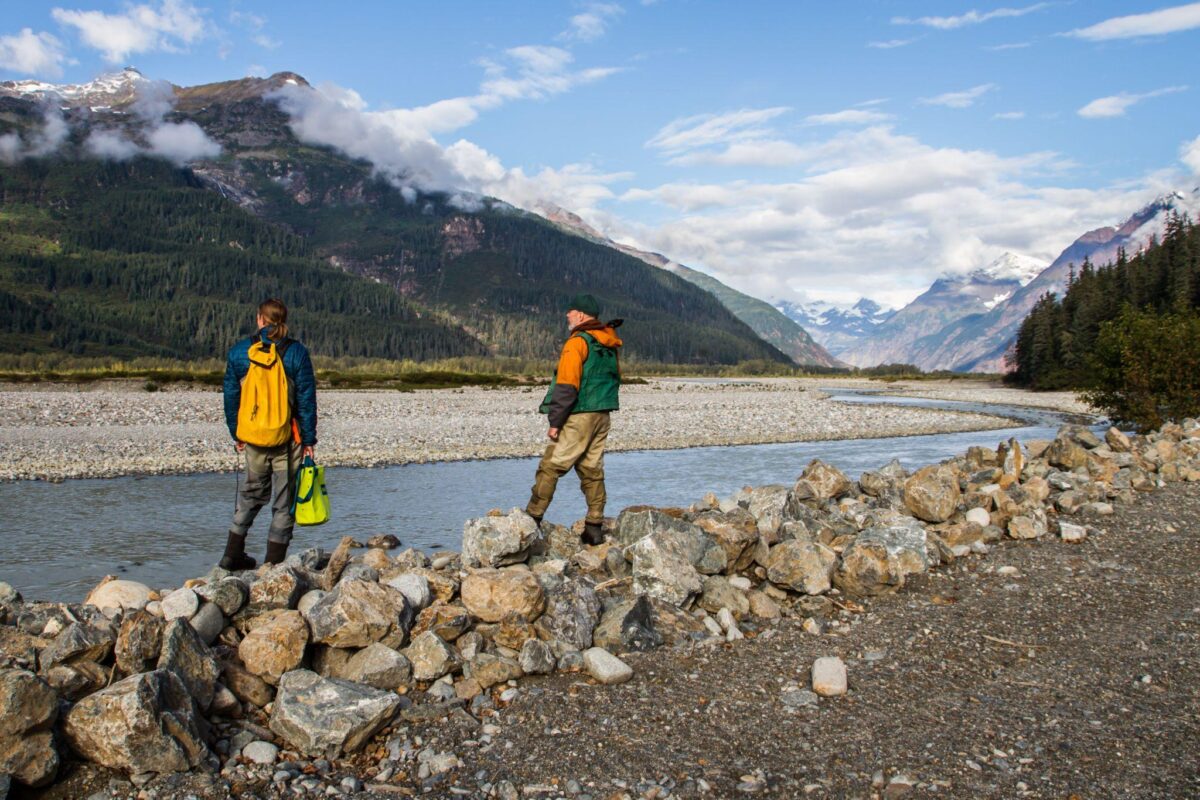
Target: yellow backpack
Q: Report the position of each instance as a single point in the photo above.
(265, 413)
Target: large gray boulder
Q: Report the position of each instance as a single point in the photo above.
(119, 594)
(644, 624)
(186, 654)
(359, 613)
(572, 612)
(802, 566)
(638, 522)
(880, 558)
(144, 723)
(326, 716)
(494, 541)
(766, 504)
(28, 709)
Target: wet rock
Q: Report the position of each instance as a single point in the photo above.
(932, 494)
(275, 645)
(228, 594)
(245, 685)
(139, 642)
(490, 594)
(144, 723)
(829, 676)
(802, 566)
(359, 613)
(185, 654)
(537, 658)
(385, 541)
(125, 595)
(820, 482)
(279, 587)
(325, 716)
(488, 670)
(605, 667)
(79, 642)
(430, 657)
(180, 604)
(495, 541)
(28, 710)
(446, 620)
(572, 613)
(882, 557)
(719, 593)
(414, 587)
(379, 666)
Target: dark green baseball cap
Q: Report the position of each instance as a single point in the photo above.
(585, 303)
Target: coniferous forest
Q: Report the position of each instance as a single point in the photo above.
(1126, 334)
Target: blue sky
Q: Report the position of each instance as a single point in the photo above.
(796, 150)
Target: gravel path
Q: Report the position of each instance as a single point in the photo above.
(54, 434)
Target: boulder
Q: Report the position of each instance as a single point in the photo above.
(330, 662)
(668, 562)
(513, 631)
(644, 624)
(1030, 525)
(125, 595)
(537, 658)
(208, 622)
(605, 667)
(491, 594)
(180, 604)
(488, 670)
(719, 593)
(637, 522)
(1117, 441)
(359, 571)
(28, 709)
(359, 613)
(79, 642)
(1065, 453)
(497, 540)
(309, 599)
(765, 504)
(144, 723)
(278, 587)
(186, 654)
(446, 620)
(820, 482)
(326, 716)
(414, 587)
(829, 676)
(245, 685)
(275, 645)
(572, 613)
(228, 594)
(802, 566)
(881, 557)
(932, 494)
(762, 606)
(139, 642)
(736, 532)
(430, 657)
(379, 666)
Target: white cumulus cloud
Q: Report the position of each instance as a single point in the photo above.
(1154, 23)
(182, 142)
(1190, 155)
(32, 53)
(964, 99)
(110, 146)
(169, 26)
(591, 24)
(1116, 105)
(42, 142)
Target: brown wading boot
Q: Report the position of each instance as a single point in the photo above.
(235, 558)
(593, 533)
(276, 552)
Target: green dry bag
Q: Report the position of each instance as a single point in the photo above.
(311, 503)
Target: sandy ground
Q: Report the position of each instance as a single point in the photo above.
(58, 433)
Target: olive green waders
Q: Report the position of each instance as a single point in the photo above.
(580, 445)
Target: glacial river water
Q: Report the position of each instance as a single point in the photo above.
(59, 539)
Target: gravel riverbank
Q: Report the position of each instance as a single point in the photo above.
(55, 433)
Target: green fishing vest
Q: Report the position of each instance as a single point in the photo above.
(601, 381)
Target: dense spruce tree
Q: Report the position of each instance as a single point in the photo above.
(1126, 334)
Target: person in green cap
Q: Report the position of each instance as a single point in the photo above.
(584, 390)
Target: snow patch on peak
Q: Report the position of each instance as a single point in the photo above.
(103, 92)
(997, 300)
(1013, 266)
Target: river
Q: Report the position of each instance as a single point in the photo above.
(60, 539)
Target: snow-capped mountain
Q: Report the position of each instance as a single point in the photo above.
(112, 90)
(950, 298)
(837, 328)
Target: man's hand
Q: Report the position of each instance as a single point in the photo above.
(552, 434)
(308, 451)
(239, 446)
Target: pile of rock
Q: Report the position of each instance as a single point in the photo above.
(314, 657)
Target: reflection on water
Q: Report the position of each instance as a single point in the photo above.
(60, 539)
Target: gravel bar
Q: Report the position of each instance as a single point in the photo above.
(55, 433)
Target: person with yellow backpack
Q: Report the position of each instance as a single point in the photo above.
(271, 411)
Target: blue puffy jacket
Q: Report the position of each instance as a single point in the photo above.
(301, 381)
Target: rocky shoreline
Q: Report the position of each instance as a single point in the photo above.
(364, 672)
(100, 432)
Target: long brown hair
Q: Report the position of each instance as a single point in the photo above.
(274, 313)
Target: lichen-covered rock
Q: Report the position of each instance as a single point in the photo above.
(881, 557)
(537, 658)
(125, 595)
(488, 670)
(637, 522)
(326, 716)
(186, 654)
(802, 566)
(144, 723)
(491, 594)
(446, 620)
(765, 504)
(139, 642)
(572, 613)
(79, 642)
(932, 494)
(719, 593)
(644, 624)
(1117, 441)
(228, 594)
(275, 645)
(820, 482)
(359, 613)
(431, 658)
(1065, 453)
(494, 541)
(28, 709)
(736, 532)
(279, 587)
(245, 685)
(379, 666)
